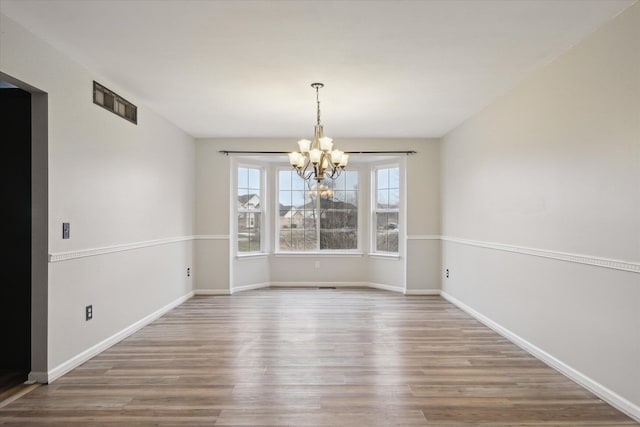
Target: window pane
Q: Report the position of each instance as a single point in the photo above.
(254, 179)
(242, 197)
(340, 183)
(381, 231)
(284, 180)
(310, 236)
(284, 199)
(243, 178)
(338, 222)
(394, 198)
(383, 199)
(351, 197)
(388, 197)
(297, 183)
(285, 237)
(387, 231)
(383, 178)
(248, 196)
(254, 200)
(248, 232)
(351, 180)
(299, 199)
(394, 178)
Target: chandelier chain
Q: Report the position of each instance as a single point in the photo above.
(318, 102)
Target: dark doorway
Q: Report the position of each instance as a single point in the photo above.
(15, 274)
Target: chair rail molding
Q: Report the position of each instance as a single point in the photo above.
(81, 253)
(616, 264)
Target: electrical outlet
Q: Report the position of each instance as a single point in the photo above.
(446, 273)
(66, 228)
(189, 272)
(88, 312)
(317, 264)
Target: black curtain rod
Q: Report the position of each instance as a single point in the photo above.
(227, 152)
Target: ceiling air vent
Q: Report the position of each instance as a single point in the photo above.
(113, 102)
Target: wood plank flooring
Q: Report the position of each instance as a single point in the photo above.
(9, 379)
(12, 385)
(309, 357)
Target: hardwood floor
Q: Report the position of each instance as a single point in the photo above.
(308, 357)
(12, 385)
(10, 378)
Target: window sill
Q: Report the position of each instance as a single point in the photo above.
(252, 255)
(319, 254)
(384, 256)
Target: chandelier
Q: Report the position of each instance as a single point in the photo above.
(318, 159)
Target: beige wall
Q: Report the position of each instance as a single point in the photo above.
(117, 184)
(555, 165)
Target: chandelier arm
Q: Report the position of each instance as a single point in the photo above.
(307, 175)
(335, 172)
(303, 170)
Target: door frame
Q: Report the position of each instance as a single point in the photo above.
(39, 227)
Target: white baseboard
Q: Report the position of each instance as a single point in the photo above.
(314, 285)
(41, 377)
(381, 286)
(250, 287)
(385, 287)
(595, 387)
(319, 284)
(211, 292)
(63, 368)
(422, 292)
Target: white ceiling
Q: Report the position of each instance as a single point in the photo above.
(243, 68)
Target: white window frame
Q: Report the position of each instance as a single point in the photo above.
(373, 250)
(327, 252)
(262, 210)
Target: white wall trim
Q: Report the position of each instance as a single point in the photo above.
(250, 287)
(423, 237)
(318, 254)
(593, 386)
(319, 284)
(384, 287)
(79, 359)
(313, 285)
(422, 292)
(252, 256)
(615, 264)
(81, 253)
(390, 257)
(211, 237)
(211, 292)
